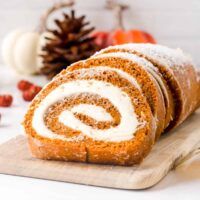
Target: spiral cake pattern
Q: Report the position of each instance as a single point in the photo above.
(110, 108)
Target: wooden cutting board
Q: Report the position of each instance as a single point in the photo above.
(170, 150)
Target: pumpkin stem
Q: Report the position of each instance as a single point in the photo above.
(56, 6)
(117, 9)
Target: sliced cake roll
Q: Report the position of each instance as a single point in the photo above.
(176, 69)
(132, 67)
(96, 115)
(111, 108)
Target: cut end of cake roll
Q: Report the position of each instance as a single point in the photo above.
(91, 115)
(112, 107)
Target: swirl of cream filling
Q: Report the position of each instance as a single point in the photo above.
(128, 125)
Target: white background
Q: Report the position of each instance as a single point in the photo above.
(175, 23)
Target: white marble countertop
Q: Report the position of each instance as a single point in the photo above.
(181, 183)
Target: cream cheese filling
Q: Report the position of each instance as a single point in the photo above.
(96, 112)
(124, 131)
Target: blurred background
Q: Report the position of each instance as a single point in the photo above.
(173, 23)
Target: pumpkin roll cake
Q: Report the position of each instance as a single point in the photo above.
(132, 67)
(176, 69)
(112, 107)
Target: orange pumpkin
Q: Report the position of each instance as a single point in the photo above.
(136, 36)
(120, 35)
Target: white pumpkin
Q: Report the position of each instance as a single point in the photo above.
(25, 53)
(21, 50)
(7, 46)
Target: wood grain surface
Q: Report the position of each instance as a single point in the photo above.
(170, 150)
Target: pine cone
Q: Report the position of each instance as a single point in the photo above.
(71, 42)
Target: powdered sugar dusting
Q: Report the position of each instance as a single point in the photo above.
(164, 55)
(129, 56)
(176, 63)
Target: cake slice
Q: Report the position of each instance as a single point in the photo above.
(112, 107)
(91, 115)
(176, 69)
